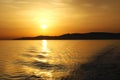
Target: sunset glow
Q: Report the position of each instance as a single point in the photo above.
(20, 18)
(43, 26)
(59, 39)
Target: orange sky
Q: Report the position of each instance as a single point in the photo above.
(20, 18)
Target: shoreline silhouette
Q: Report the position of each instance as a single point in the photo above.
(77, 36)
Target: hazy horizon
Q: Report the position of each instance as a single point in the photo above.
(13, 38)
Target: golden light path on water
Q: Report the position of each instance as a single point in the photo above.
(44, 51)
(44, 74)
(44, 46)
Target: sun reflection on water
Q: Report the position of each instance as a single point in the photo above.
(40, 66)
(41, 60)
(45, 75)
(44, 46)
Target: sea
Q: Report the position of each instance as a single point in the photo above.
(48, 59)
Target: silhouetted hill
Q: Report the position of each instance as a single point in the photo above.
(76, 36)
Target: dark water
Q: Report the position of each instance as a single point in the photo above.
(48, 59)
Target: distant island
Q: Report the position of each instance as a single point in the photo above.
(77, 36)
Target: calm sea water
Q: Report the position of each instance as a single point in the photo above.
(46, 59)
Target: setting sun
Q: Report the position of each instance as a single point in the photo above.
(43, 26)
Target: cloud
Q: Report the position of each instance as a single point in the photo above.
(71, 7)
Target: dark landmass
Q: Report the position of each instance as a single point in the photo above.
(76, 36)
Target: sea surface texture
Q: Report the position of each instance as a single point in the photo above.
(59, 60)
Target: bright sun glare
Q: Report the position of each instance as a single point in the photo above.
(43, 26)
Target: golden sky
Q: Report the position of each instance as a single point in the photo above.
(19, 18)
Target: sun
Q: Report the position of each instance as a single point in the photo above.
(43, 26)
